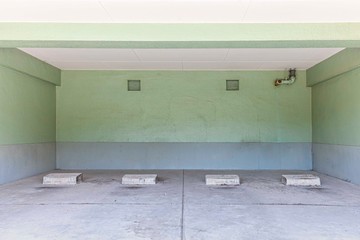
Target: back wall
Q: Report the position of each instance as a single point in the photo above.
(182, 120)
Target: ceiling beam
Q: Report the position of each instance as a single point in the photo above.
(22, 62)
(342, 62)
(116, 35)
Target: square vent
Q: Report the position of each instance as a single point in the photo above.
(232, 85)
(134, 85)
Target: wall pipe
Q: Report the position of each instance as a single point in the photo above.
(289, 80)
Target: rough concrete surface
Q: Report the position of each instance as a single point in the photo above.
(180, 206)
(183, 155)
(18, 161)
(326, 160)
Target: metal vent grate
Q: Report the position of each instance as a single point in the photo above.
(232, 85)
(134, 85)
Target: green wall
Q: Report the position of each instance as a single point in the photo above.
(335, 99)
(27, 98)
(27, 108)
(336, 110)
(336, 115)
(175, 35)
(27, 115)
(95, 106)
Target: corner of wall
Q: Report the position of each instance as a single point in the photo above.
(27, 125)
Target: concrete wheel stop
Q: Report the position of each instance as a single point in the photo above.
(139, 179)
(62, 179)
(222, 180)
(305, 180)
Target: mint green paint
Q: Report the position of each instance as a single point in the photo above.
(23, 62)
(179, 44)
(342, 62)
(336, 115)
(95, 106)
(111, 35)
(336, 110)
(27, 108)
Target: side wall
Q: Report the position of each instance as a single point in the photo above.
(336, 115)
(182, 120)
(27, 122)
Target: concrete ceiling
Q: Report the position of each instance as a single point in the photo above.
(180, 11)
(182, 59)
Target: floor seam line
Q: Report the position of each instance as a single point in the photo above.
(174, 204)
(64, 204)
(182, 206)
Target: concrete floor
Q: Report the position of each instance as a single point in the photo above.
(180, 206)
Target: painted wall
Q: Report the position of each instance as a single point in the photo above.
(95, 111)
(27, 124)
(27, 109)
(336, 126)
(178, 35)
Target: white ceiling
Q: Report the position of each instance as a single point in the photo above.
(182, 59)
(180, 11)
